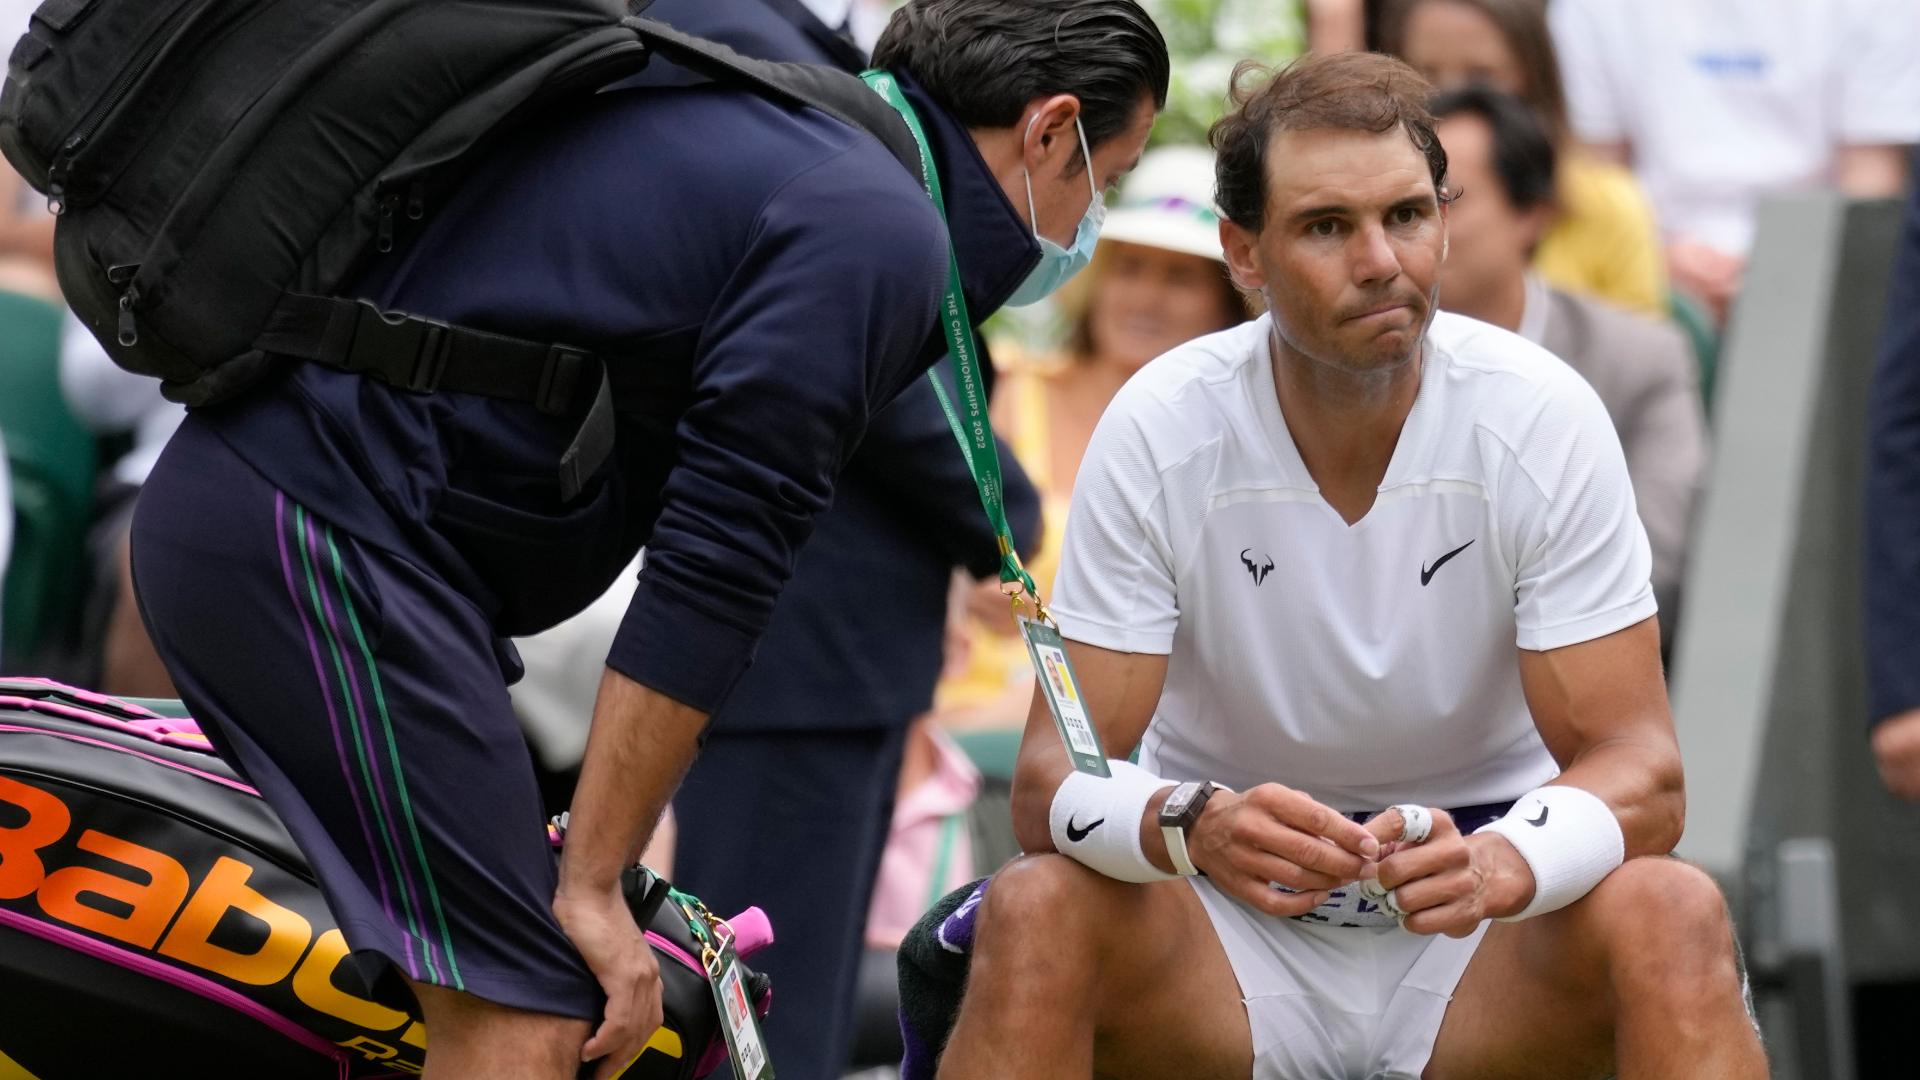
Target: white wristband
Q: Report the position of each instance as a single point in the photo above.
(1095, 821)
(1570, 840)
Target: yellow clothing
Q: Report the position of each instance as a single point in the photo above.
(998, 661)
(1606, 242)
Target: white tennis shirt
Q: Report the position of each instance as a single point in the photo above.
(1364, 665)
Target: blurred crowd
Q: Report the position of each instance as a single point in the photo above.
(1609, 157)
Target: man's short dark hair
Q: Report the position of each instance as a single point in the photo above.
(1523, 154)
(1349, 91)
(984, 60)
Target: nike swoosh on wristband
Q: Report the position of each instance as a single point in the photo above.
(1535, 822)
(1075, 835)
(1427, 572)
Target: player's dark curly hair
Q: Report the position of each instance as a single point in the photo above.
(1341, 91)
(984, 60)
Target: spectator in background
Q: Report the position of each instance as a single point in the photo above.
(1157, 281)
(789, 804)
(113, 402)
(1336, 25)
(1602, 240)
(1893, 525)
(1716, 105)
(26, 239)
(26, 228)
(866, 19)
(1501, 161)
(6, 525)
(929, 851)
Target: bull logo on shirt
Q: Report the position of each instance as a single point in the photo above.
(1259, 570)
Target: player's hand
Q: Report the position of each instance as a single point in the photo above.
(1450, 883)
(1247, 842)
(1896, 746)
(602, 928)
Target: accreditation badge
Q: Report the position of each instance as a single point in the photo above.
(745, 1045)
(1048, 651)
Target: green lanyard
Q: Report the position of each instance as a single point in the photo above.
(974, 432)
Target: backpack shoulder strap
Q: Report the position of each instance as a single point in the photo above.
(834, 92)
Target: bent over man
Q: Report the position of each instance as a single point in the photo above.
(1365, 587)
(330, 566)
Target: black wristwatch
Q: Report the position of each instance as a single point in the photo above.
(1180, 813)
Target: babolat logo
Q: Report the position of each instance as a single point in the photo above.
(215, 920)
(205, 907)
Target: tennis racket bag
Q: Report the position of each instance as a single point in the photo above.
(156, 919)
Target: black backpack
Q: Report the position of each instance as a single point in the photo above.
(222, 167)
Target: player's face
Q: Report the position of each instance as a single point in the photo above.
(1350, 252)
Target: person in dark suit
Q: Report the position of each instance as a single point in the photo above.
(1893, 522)
(789, 802)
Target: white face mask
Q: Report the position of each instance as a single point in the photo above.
(1058, 264)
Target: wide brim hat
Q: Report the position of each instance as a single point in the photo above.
(1168, 203)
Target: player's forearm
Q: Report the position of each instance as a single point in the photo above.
(1037, 775)
(1121, 691)
(1641, 781)
(639, 746)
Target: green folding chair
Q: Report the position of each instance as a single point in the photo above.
(50, 458)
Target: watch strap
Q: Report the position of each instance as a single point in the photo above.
(1176, 838)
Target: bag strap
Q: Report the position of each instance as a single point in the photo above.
(415, 353)
(836, 93)
(411, 352)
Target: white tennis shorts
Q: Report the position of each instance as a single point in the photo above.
(1337, 1003)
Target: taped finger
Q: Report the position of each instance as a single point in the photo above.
(1416, 822)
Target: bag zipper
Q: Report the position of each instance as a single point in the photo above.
(127, 332)
(388, 204)
(98, 112)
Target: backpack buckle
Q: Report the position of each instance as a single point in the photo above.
(407, 351)
(560, 379)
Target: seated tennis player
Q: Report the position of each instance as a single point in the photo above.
(1365, 586)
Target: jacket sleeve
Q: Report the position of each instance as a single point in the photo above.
(911, 456)
(1892, 571)
(825, 320)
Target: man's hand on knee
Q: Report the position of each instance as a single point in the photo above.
(1246, 844)
(1449, 884)
(616, 950)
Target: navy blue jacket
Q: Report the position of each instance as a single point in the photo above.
(784, 262)
(767, 29)
(856, 638)
(1893, 488)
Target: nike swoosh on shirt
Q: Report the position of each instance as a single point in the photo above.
(1427, 572)
(1075, 834)
(1535, 822)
